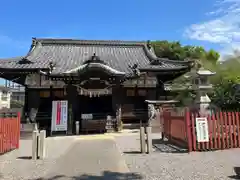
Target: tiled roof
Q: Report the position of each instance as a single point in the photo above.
(68, 54)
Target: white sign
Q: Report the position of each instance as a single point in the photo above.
(59, 115)
(87, 116)
(202, 129)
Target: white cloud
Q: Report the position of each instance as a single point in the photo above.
(223, 27)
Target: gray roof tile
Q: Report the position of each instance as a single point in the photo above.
(67, 54)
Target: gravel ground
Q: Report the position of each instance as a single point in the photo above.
(168, 164)
(164, 163)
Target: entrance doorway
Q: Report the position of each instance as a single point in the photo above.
(97, 106)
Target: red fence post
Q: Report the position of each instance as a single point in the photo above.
(189, 132)
(4, 135)
(18, 129)
(1, 136)
(238, 128)
(226, 130)
(214, 131)
(230, 129)
(210, 131)
(193, 133)
(222, 135)
(218, 134)
(234, 130)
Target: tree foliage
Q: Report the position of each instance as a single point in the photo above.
(175, 51)
(226, 89)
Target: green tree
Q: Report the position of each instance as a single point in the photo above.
(175, 51)
(170, 50)
(212, 56)
(226, 82)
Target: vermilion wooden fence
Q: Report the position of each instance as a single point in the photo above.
(223, 127)
(174, 128)
(9, 131)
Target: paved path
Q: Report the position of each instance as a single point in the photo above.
(90, 159)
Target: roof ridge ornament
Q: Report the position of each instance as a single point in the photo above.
(94, 59)
(34, 41)
(149, 44)
(135, 69)
(51, 67)
(24, 61)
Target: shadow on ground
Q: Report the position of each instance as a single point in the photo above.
(106, 175)
(237, 172)
(163, 146)
(25, 157)
(131, 152)
(166, 147)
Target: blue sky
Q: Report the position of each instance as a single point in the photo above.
(210, 23)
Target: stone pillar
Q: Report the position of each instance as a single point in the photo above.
(42, 144)
(34, 145)
(149, 139)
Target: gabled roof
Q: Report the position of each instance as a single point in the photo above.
(68, 54)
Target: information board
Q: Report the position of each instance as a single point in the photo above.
(59, 116)
(202, 129)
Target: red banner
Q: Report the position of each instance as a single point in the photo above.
(58, 120)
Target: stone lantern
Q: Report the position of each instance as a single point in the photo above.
(202, 87)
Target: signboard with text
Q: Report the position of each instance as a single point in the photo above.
(59, 116)
(202, 129)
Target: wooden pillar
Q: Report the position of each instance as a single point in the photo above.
(159, 88)
(119, 117)
(73, 104)
(51, 100)
(26, 108)
(116, 105)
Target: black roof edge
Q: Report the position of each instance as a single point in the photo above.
(185, 68)
(5, 69)
(88, 42)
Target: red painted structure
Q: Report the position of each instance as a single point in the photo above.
(223, 127)
(9, 131)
